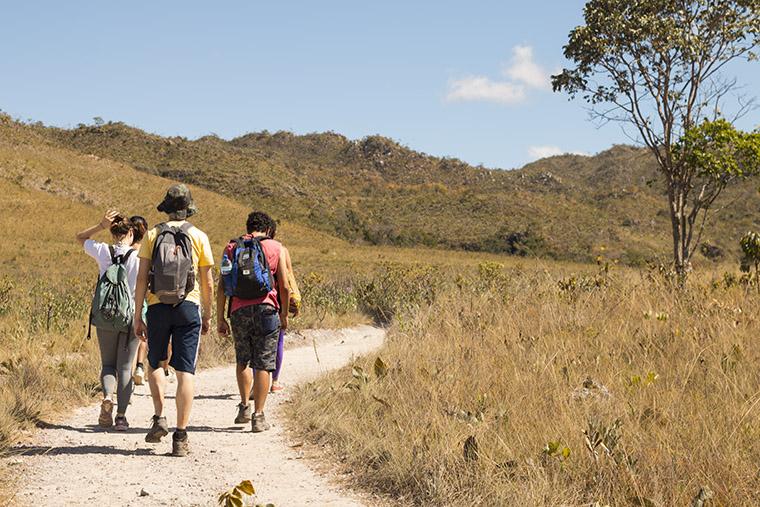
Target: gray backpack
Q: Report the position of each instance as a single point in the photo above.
(172, 275)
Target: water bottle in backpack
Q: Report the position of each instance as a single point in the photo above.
(248, 275)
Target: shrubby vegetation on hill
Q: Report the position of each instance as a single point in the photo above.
(376, 191)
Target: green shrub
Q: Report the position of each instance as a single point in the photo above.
(397, 289)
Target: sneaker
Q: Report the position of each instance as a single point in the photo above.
(244, 414)
(139, 376)
(158, 430)
(120, 423)
(105, 420)
(276, 388)
(259, 423)
(180, 446)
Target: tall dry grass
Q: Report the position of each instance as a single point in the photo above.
(47, 194)
(537, 388)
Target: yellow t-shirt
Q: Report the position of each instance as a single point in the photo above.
(202, 257)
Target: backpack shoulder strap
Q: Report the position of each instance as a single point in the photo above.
(186, 227)
(119, 259)
(161, 229)
(260, 241)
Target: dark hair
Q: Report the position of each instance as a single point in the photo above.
(120, 226)
(139, 228)
(258, 221)
(272, 227)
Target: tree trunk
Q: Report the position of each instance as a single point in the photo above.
(679, 225)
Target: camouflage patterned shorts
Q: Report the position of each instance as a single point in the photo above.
(256, 330)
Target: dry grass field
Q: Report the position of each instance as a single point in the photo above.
(531, 387)
(504, 381)
(47, 194)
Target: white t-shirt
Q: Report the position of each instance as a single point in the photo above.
(102, 254)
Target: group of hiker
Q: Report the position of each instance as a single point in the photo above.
(153, 301)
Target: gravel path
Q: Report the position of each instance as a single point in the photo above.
(76, 463)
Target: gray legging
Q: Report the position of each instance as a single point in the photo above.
(117, 352)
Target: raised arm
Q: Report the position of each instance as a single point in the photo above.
(104, 224)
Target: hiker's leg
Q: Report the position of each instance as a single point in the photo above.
(261, 385)
(125, 354)
(186, 339)
(242, 337)
(141, 356)
(267, 328)
(157, 384)
(278, 360)
(244, 381)
(159, 332)
(185, 393)
(108, 343)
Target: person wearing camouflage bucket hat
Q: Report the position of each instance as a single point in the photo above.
(175, 278)
(178, 202)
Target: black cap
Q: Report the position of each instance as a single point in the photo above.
(178, 201)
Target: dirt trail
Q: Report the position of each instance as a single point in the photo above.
(75, 463)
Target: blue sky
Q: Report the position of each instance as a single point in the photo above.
(449, 78)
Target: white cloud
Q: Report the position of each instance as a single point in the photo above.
(538, 152)
(522, 74)
(484, 89)
(524, 70)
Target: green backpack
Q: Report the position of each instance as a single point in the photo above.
(113, 307)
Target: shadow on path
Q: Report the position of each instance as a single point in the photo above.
(208, 396)
(31, 450)
(90, 428)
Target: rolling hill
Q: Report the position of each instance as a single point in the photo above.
(375, 191)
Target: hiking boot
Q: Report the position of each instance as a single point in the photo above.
(157, 431)
(244, 414)
(105, 420)
(259, 423)
(139, 376)
(180, 445)
(120, 423)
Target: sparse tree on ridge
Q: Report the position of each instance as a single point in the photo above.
(659, 66)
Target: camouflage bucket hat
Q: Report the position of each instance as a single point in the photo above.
(178, 201)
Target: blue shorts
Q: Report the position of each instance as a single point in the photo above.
(182, 325)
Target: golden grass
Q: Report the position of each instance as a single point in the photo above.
(499, 356)
(47, 195)
(502, 361)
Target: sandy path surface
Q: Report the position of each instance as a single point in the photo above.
(76, 463)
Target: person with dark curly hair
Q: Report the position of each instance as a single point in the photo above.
(256, 316)
(117, 348)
